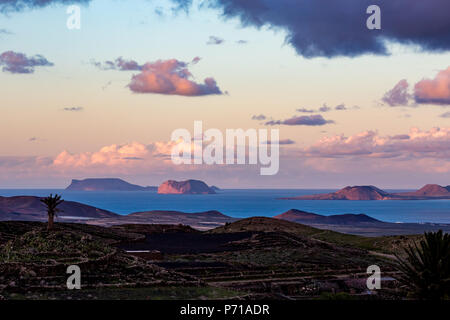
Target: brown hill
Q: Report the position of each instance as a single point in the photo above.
(32, 209)
(263, 224)
(312, 218)
(185, 187)
(348, 193)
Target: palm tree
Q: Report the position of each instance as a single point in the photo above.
(52, 203)
(425, 270)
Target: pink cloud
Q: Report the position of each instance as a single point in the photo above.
(426, 91)
(16, 62)
(416, 145)
(112, 155)
(171, 77)
(434, 91)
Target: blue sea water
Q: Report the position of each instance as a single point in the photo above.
(253, 202)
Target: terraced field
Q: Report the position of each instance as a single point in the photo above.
(249, 259)
(263, 256)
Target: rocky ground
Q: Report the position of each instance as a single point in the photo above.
(249, 259)
(34, 261)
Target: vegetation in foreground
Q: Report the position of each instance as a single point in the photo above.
(250, 259)
(52, 203)
(426, 267)
(146, 293)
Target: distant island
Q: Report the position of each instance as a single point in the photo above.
(106, 184)
(185, 187)
(428, 192)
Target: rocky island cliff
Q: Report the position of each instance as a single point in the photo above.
(185, 187)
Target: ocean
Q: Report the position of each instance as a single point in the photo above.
(253, 202)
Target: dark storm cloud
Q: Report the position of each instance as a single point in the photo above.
(19, 5)
(330, 28)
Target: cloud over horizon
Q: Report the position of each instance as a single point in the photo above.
(305, 110)
(313, 120)
(323, 108)
(16, 62)
(419, 156)
(434, 143)
(281, 142)
(73, 109)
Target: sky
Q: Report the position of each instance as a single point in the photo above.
(354, 106)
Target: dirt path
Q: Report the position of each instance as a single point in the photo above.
(384, 255)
